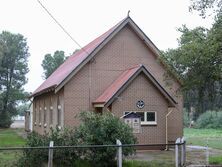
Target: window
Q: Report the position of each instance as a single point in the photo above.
(147, 117)
(51, 112)
(35, 112)
(58, 111)
(150, 117)
(142, 116)
(45, 113)
(40, 114)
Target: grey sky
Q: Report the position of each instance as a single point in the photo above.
(87, 19)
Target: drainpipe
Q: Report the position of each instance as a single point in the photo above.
(171, 110)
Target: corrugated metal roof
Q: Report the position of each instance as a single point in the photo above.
(62, 74)
(72, 63)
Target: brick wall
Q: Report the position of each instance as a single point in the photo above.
(46, 102)
(122, 52)
(142, 89)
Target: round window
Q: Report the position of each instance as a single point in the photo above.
(140, 104)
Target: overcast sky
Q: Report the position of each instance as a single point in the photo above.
(87, 19)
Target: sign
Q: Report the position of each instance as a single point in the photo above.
(133, 120)
(140, 104)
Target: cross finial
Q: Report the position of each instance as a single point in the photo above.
(128, 13)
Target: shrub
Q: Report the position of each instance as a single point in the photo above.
(5, 120)
(186, 120)
(37, 157)
(97, 129)
(209, 119)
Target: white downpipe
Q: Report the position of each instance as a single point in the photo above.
(171, 110)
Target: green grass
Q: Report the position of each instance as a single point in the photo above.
(10, 138)
(216, 160)
(204, 137)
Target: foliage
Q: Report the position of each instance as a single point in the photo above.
(204, 137)
(13, 68)
(37, 157)
(198, 61)
(51, 63)
(186, 120)
(104, 129)
(22, 108)
(209, 119)
(204, 5)
(215, 160)
(95, 129)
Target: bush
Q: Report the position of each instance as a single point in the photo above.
(104, 129)
(209, 119)
(37, 157)
(5, 120)
(186, 120)
(95, 129)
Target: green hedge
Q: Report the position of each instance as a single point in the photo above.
(209, 119)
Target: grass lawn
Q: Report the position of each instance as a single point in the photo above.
(216, 160)
(202, 137)
(10, 138)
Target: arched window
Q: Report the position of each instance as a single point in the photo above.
(51, 112)
(35, 112)
(45, 113)
(40, 114)
(58, 111)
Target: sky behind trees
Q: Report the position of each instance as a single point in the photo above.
(85, 20)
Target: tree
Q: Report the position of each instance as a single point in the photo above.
(13, 68)
(22, 108)
(51, 63)
(198, 60)
(203, 5)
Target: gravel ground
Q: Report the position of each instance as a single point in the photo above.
(195, 155)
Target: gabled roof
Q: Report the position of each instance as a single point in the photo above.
(75, 62)
(64, 70)
(121, 83)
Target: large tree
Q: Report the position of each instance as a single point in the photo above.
(51, 62)
(198, 60)
(13, 68)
